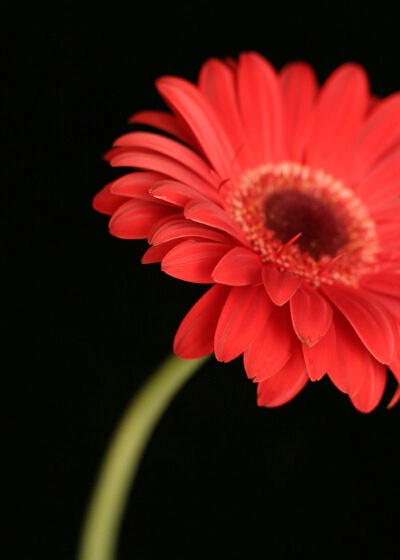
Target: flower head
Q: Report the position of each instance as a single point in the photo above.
(285, 197)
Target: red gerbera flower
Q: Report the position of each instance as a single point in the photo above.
(285, 196)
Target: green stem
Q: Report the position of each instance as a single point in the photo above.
(102, 523)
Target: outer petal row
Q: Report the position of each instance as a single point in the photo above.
(217, 81)
(195, 335)
(106, 202)
(395, 368)
(273, 346)
(372, 321)
(246, 311)
(167, 123)
(300, 88)
(141, 141)
(188, 102)
(337, 119)
(232, 321)
(194, 261)
(261, 103)
(311, 315)
(284, 385)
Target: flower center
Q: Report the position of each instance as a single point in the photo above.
(289, 213)
(304, 221)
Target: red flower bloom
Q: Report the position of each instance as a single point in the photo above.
(285, 197)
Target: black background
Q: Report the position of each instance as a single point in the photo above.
(86, 323)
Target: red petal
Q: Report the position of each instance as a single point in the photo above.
(217, 81)
(106, 202)
(179, 227)
(151, 161)
(373, 322)
(395, 367)
(285, 384)
(300, 88)
(195, 336)
(136, 185)
(351, 358)
(171, 148)
(320, 357)
(239, 267)
(135, 218)
(245, 312)
(395, 399)
(194, 261)
(157, 253)
(372, 387)
(311, 315)
(338, 116)
(385, 288)
(386, 175)
(387, 214)
(165, 122)
(380, 133)
(177, 193)
(272, 348)
(280, 286)
(389, 235)
(214, 216)
(261, 104)
(186, 99)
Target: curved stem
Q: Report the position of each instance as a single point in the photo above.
(107, 505)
